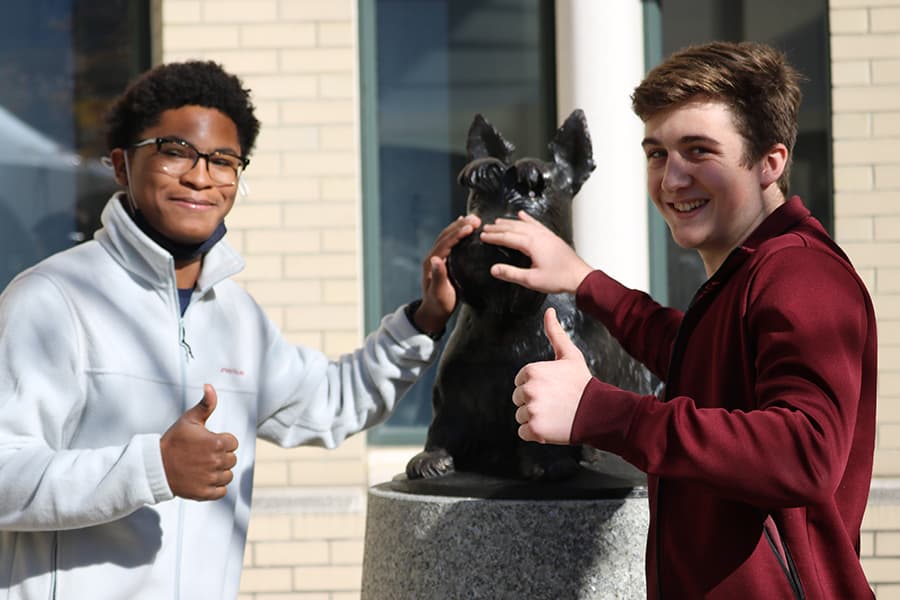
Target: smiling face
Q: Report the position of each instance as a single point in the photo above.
(698, 179)
(187, 208)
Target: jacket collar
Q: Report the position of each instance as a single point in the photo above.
(138, 254)
(785, 217)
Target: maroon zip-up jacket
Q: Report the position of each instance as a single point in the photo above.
(759, 456)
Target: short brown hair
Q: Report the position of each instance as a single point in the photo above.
(754, 80)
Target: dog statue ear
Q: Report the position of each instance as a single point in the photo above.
(485, 141)
(572, 150)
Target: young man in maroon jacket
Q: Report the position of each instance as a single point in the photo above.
(759, 453)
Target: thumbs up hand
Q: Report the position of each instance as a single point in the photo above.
(547, 393)
(197, 461)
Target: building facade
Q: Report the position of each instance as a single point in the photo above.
(325, 253)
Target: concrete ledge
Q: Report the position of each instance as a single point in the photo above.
(309, 500)
(884, 490)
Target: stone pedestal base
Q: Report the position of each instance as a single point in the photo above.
(470, 536)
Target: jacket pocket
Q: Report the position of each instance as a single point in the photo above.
(783, 555)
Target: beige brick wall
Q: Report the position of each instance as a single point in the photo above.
(299, 231)
(299, 226)
(865, 52)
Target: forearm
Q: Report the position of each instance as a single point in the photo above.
(645, 329)
(773, 457)
(45, 489)
(339, 398)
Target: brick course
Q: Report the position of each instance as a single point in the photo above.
(865, 73)
(299, 230)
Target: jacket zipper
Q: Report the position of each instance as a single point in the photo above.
(55, 565)
(787, 564)
(188, 353)
(674, 363)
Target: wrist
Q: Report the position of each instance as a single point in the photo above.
(424, 322)
(580, 275)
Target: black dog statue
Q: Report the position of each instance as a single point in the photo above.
(499, 326)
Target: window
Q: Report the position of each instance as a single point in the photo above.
(428, 67)
(61, 62)
(800, 29)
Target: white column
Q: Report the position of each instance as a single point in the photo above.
(599, 61)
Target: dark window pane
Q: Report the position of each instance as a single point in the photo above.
(61, 61)
(438, 62)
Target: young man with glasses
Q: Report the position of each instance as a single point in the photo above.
(759, 453)
(135, 376)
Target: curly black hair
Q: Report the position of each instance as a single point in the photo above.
(173, 85)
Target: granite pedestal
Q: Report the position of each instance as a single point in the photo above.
(473, 536)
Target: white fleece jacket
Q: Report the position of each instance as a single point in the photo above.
(96, 363)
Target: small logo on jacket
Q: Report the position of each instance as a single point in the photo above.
(231, 371)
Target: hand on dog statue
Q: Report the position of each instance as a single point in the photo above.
(555, 267)
(438, 295)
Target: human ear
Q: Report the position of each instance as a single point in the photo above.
(772, 164)
(117, 156)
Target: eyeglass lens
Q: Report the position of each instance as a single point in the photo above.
(177, 157)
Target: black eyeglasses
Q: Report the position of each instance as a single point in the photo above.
(176, 157)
